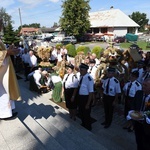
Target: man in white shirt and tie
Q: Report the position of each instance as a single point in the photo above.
(111, 89)
(140, 69)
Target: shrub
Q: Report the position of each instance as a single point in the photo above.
(84, 49)
(59, 45)
(97, 50)
(71, 50)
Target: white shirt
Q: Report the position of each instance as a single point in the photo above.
(33, 61)
(114, 86)
(59, 58)
(78, 75)
(92, 71)
(37, 76)
(97, 61)
(87, 85)
(55, 78)
(71, 82)
(134, 87)
(63, 51)
(54, 55)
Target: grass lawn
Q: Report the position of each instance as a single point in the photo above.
(141, 44)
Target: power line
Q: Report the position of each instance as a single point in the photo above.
(41, 13)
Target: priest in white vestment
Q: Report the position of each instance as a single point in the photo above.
(9, 91)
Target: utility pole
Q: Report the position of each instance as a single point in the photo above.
(20, 18)
(21, 28)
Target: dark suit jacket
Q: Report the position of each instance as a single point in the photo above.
(137, 106)
(138, 100)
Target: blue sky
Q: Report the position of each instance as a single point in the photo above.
(46, 12)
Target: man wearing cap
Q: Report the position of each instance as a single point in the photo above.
(86, 90)
(140, 69)
(146, 73)
(92, 68)
(92, 71)
(130, 88)
(70, 85)
(111, 89)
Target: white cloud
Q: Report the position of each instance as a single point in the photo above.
(32, 2)
(6, 3)
(54, 1)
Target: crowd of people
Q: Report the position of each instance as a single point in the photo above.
(77, 88)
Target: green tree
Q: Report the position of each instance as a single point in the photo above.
(75, 17)
(140, 19)
(10, 35)
(35, 25)
(5, 19)
(55, 24)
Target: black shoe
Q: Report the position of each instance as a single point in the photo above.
(106, 126)
(26, 80)
(103, 123)
(125, 127)
(14, 116)
(82, 125)
(89, 128)
(130, 129)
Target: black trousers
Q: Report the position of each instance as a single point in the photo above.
(26, 70)
(108, 108)
(142, 135)
(129, 105)
(68, 94)
(84, 113)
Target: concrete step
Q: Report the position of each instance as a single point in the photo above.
(78, 141)
(46, 132)
(15, 136)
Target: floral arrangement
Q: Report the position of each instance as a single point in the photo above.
(147, 108)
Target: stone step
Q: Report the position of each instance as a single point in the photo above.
(15, 136)
(69, 130)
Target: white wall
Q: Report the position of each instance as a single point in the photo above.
(120, 31)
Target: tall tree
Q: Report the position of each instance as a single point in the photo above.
(55, 24)
(6, 18)
(10, 35)
(140, 19)
(75, 17)
(34, 25)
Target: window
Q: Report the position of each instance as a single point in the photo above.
(104, 30)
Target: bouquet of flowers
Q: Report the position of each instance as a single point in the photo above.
(147, 109)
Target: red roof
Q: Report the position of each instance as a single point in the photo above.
(28, 30)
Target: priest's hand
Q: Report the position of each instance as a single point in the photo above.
(12, 50)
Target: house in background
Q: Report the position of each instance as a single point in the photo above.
(30, 31)
(55, 31)
(112, 22)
